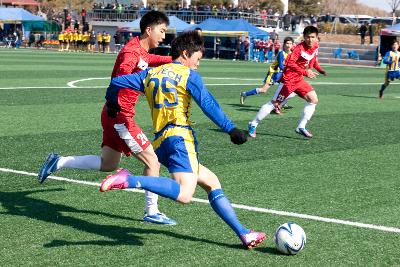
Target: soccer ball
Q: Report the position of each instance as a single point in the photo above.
(290, 238)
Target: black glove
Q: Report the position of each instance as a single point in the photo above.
(238, 137)
(112, 109)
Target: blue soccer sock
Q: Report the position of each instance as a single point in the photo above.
(162, 186)
(224, 209)
(251, 92)
(383, 87)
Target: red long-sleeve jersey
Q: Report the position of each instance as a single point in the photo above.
(298, 61)
(131, 59)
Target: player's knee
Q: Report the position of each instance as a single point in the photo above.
(185, 197)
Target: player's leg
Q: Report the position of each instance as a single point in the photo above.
(267, 83)
(281, 93)
(310, 96)
(222, 206)
(152, 168)
(134, 142)
(385, 84)
(108, 161)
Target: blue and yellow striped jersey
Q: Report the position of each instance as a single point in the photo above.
(169, 90)
(279, 63)
(391, 60)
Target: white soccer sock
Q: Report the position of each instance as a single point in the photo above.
(258, 90)
(151, 203)
(308, 111)
(264, 111)
(88, 162)
(287, 99)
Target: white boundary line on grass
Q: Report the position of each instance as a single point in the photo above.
(238, 206)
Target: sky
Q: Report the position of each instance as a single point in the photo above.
(381, 4)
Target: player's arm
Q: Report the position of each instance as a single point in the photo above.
(386, 58)
(212, 109)
(281, 60)
(291, 63)
(156, 60)
(130, 81)
(315, 65)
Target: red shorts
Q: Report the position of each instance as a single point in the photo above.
(301, 88)
(123, 136)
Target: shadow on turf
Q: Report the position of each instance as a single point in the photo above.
(297, 137)
(20, 203)
(361, 96)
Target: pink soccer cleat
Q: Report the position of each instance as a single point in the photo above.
(118, 180)
(252, 239)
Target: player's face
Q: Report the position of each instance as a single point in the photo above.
(193, 62)
(157, 34)
(288, 45)
(395, 47)
(311, 39)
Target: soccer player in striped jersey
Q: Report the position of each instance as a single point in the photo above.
(391, 60)
(274, 72)
(170, 90)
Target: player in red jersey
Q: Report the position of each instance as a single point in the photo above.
(121, 134)
(301, 62)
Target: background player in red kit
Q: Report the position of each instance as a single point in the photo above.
(304, 55)
(121, 134)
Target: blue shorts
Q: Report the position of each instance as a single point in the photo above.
(391, 75)
(176, 149)
(272, 78)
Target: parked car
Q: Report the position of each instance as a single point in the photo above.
(384, 21)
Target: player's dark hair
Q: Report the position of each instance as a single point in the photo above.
(309, 30)
(395, 42)
(288, 39)
(198, 29)
(151, 19)
(190, 41)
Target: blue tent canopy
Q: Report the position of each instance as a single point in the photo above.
(174, 23)
(236, 25)
(17, 14)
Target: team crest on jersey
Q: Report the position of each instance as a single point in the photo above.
(142, 64)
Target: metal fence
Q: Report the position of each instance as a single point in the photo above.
(185, 15)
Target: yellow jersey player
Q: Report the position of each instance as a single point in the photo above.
(61, 41)
(274, 72)
(391, 60)
(169, 90)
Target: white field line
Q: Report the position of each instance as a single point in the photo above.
(238, 206)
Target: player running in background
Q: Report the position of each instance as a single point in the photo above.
(391, 60)
(169, 90)
(274, 73)
(121, 134)
(292, 81)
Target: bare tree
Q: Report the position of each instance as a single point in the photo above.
(394, 5)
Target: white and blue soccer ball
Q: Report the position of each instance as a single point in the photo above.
(290, 238)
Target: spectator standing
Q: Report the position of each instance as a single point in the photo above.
(363, 32)
(31, 39)
(117, 41)
(371, 33)
(286, 21)
(273, 36)
(293, 21)
(246, 45)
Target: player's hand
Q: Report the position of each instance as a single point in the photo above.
(238, 137)
(311, 74)
(112, 109)
(324, 73)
